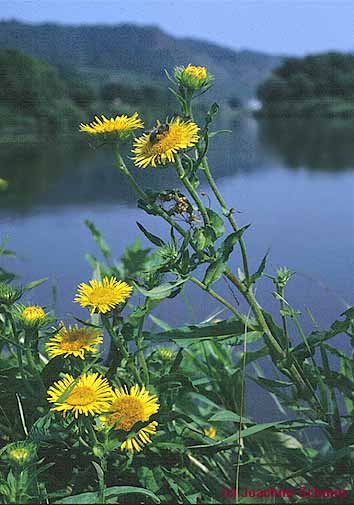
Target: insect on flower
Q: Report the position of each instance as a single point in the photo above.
(157, 132)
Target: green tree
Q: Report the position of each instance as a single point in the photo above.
(81, 93)
(273, 90)
(315, 85)
(27, 83)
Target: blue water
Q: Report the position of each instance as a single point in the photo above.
(292, 180)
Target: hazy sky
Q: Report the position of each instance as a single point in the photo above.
(277, 26)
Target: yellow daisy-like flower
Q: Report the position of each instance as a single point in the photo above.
(103, 296)
(210, 432)
(74, 341)
(123, 125)
(128, 408)
(91, 394)
(165, 354)
(160, 146)
(33, 314)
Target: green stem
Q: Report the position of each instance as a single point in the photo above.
(277, 350)
(118, 341)
(280, 291)
(227, 212)
(219, 298)
(121, 165)
(182, 175)
(187, 106)
(141, 354)
(336, 414)
(123, 168)
(115, 337)
(158, 210)
(19, 354)
(101, 481)
(242, 402)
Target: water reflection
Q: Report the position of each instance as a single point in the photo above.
(325, 145)
(71, 173)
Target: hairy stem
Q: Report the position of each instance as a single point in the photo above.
(227, 212)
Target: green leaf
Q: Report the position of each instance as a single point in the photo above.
(102, 245)
(260, 270)
(135, 259)
(230, 328)
(160, 323)
(210, 235)
(139, 312)
(271, 385)
(213, 134)
(216, 222)
(328, 461)
(35, 284)
(100, 473)
(213, 110)
(153, 238)
(83, 498)
(228, 245)
(199, 239)
(162, 291)
(226, 416)
(186, 241)
(110, 494)
(255, 355)
(247, 432)
(214, 271)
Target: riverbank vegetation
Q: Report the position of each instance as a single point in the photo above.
(47, 100)
(162, 418)
(317, 85)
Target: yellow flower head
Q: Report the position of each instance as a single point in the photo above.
(3, 184)
(121, 125)
(74, 341)
(127, 409)
(210, 432)
(160, 146)
(103, 296)
(90, 394)
(21, 453)
(165, 354)
(32, 314)
(193, 77)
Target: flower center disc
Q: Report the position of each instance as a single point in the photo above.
(101, 295)
(19, 453)
(127, 412)
(82, 396)
(74, 340)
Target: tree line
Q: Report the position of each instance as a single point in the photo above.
(314, 85)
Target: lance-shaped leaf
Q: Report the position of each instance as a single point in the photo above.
(216, 222)
(34, 284)
(214, 271)
(153, 238)
(230, 328)
(103, 246)
(231, 240)
(162, 291)
(259, 271)
(111, 494)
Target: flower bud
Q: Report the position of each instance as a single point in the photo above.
(193, 78)
(20, 454)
